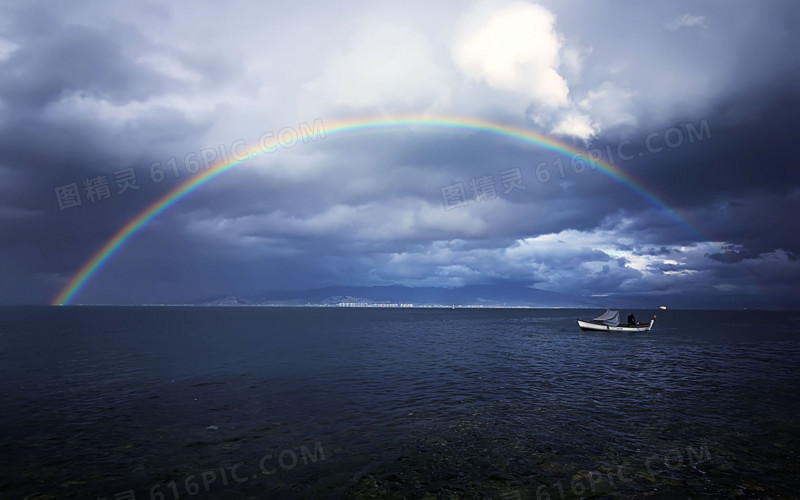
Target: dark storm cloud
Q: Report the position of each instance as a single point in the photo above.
(731, 255)
(88, 91)
(653, 251)
(42, 148)
(75, 59)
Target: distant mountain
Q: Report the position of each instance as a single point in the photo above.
(493, 295)
(496, 295)
(223, 300)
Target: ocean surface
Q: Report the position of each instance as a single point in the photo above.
(187, 402)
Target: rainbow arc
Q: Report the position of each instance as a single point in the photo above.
(353, 126)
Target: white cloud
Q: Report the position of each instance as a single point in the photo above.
(386, 67)
(7, 47)
(575, 124)
(170, 66)
(515, 49)
(390, 220)
(80, 107)
(572, 60)
(686, 21)
(611, 105)
(597, 261)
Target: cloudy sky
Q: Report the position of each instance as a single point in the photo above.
(699, 102)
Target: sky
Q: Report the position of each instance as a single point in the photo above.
(107, 106)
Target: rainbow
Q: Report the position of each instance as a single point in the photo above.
(360, 125)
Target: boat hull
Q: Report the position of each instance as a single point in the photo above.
(591, 326)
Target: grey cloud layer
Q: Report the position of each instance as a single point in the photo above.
(92, 88)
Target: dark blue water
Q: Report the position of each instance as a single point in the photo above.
(162, 403)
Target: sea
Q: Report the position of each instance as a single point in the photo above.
(162, 403)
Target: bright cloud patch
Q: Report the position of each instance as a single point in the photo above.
(7, 47)
(591, 262)
(386, 67)
(611, 104)
(686, 21)
(517, 49)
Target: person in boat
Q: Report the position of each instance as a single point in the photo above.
(631, 319)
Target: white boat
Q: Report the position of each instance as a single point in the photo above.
(609, 322)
